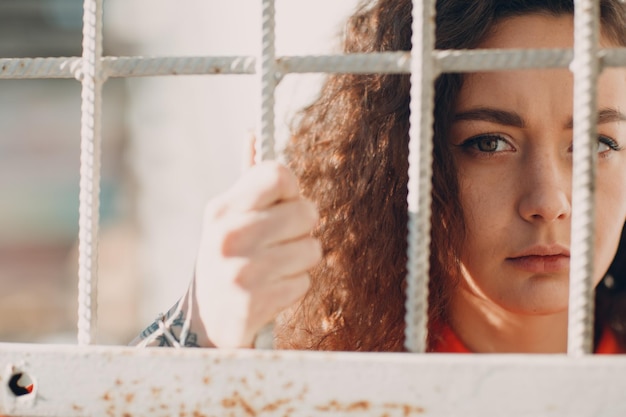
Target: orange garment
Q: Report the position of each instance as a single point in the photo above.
(448, 342)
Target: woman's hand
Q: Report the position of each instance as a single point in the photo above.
(254, 254)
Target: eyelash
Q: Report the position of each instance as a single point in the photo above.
(471, 144)
(611, 143)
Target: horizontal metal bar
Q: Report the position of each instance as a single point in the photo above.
(384, 62)
(21, 68)
(122, 381)
(494, 60)
(70, 67)
(613, 57)
(156, 66)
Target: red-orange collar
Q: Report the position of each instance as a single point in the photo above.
(446, 341)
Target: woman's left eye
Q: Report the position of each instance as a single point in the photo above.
(487, 144)
(606, 144)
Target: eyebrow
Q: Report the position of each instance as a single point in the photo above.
(487, 114)
(605, 115)
(511, 118)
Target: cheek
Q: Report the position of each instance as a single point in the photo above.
(472, 200)
(486, 201)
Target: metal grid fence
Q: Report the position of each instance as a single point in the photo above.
(94, 380)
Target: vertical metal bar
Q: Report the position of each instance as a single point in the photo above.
(89, 171)
(266, 70)
(420, 173)
(586, 71)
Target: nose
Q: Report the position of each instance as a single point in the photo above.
(546, 190)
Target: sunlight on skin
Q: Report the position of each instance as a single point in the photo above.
(512, 144)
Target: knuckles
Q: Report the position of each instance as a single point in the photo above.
(232, 239)
(243, 273)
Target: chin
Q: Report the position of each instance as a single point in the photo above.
(540, 297)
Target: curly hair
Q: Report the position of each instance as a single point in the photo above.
(350, 153)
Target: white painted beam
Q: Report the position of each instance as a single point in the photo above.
(121, 381)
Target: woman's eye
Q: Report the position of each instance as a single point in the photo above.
(606, 144)
(487, 144)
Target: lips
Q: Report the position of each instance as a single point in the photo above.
(542, 259)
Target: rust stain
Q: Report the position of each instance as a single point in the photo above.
(156, 391)
(276, 404)
(229, 403)
(127, 415)
(332, 406)
(359, 405)
(217, 70)
(407, 409)
(129, 398)
(236, 400)
(303, 393)
(118, 382)
(77, 407)
(246, 407)
(106, 396)
(163, 406)
(260, 375)
(288, 385)
(197, 413)
(206, 380)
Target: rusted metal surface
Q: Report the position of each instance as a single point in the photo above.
(118, 381)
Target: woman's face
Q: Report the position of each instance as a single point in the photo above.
(512, 143)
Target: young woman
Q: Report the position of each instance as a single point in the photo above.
(321, 247)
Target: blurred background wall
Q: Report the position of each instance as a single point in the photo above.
(169, 144)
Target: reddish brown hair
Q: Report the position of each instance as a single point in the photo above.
(350, 151)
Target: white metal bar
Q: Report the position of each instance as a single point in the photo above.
(502, 59)
(155, 66)
(379, 62)
(122, 381)
(265, 143)
(267, 74)
(91, 109)
(613, 57)
(586, 70)
(420, 174)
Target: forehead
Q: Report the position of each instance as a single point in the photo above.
(542, 30)
(532, 31)
(541, 91)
